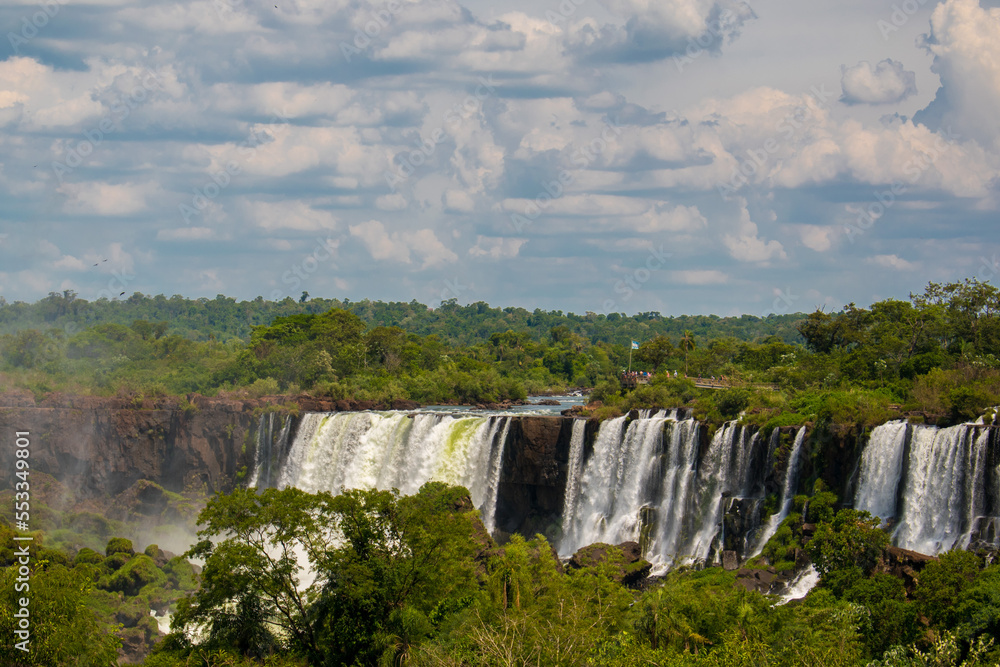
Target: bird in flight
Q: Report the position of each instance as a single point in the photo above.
(122, 294)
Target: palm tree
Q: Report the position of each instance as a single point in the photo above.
(687, 344)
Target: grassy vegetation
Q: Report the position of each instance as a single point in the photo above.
(415, 581)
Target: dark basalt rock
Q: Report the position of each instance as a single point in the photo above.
(906, 565)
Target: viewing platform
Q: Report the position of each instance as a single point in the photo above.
(633, 380)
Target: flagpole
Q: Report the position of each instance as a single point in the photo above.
(629, 355)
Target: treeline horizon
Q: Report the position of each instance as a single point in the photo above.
(936, 354)
(224, 317)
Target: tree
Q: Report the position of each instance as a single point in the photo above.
(382, 564)
(852, 540)
(687, 344)
(64, 631)
(656, 352)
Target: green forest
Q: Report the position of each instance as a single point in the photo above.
(932, 356)
(290, 579)
(293, 579)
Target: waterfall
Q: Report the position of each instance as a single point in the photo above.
(944, 488)
(881, 470)
(646, 483)
(366, 450)
(716, 480)
(935, 485)
(268, 450)
(575, 467)
(680, 468)
(788, 489)
(494, 470)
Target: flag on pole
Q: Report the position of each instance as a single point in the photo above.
(635, 345)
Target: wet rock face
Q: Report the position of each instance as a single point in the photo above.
(906, 565)
(101, 447)
(533, 477)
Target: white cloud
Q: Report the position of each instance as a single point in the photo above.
(292, 215)
(458, 201)
(96, 198)
(70, 263)
(886, 83)
(817, 238)
(699, 277)
(393, 202)
(746, 246)
(184, 234)
(397, 246)
(892, 262)
(496, 248)
(965, 42)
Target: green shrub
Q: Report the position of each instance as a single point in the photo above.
(134, 575)
(86, 555)
(117, 545)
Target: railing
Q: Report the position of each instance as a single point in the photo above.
(633, 381)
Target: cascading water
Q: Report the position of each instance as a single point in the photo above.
(646, 483)
(942, 492)
(268, 450)
(935, 483)
(881, 470)
(365, 450)
(572, 495)
(787, 492)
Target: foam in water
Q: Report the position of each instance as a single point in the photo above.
(934, 483)
(943, 489)
(881, 469)
(268, 449)
(572, 495)
(801, 585)
(646, 483)
(365, 450)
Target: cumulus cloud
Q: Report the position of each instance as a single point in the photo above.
(496, 248)
(291, 215)
(656, 30)
(886, 83)
(892, 262)
(965, 42)
(746, 246)
(106, 198)
(397, 246)
(566, 132)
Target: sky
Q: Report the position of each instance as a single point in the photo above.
(681, 156)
